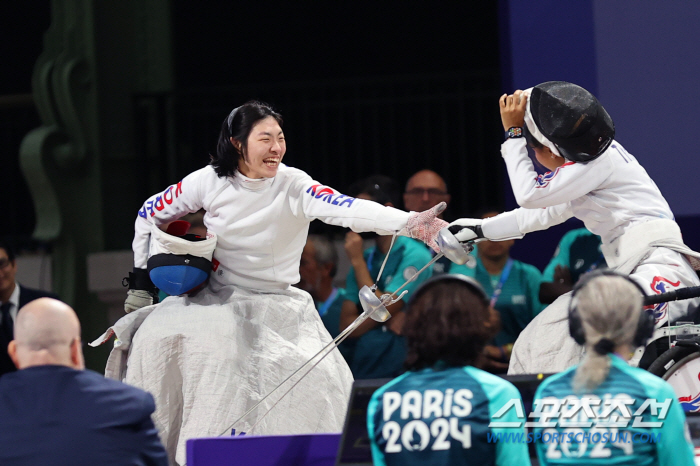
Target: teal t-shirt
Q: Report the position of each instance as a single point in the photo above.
(579, 250)
(632, 418)
(330, 315)
(380, 353)
(518, 303)
(441, 417)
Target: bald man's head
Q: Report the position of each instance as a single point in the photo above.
(424, 190)
(47, 331)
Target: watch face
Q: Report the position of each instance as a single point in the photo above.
(515, 132)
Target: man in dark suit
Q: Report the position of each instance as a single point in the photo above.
(13, 296)
(53, 411)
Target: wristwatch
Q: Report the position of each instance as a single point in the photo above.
(514, 132)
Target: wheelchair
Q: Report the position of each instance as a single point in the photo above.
(674, 352)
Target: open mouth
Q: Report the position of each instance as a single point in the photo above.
(271, 162)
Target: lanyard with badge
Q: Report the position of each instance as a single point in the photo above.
(327, 304)
(499, 286)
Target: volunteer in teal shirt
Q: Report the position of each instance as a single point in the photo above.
(514, 291)
(578, 252)
(651, 429)
(380, 350)
(513, 288)
(438, 413)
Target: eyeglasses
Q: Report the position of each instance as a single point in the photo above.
(432, 192)
(4, 263)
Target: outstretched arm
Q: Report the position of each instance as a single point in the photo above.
(313, 200)
(510, 225)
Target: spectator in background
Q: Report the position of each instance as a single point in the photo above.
(438, 413)
(513, 288)
(54, 412)
(13, 296)
(427, 188)
(319, 263)
(380, 349)
(578, 252)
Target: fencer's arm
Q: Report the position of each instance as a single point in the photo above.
(314, 201)
(175, 201)
(566, 183)
(510, 225)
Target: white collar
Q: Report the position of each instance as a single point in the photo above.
(14, 297)
(250, 183)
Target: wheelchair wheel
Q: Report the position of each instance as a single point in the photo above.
(663, 364)
(680, 367)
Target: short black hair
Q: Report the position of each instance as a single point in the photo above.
(380, 188)
(9, 250)
(225, 161)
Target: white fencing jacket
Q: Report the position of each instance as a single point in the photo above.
(261, 224)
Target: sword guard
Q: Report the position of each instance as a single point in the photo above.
(372, 306)
(453, 249)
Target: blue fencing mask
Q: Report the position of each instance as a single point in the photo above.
(178, 264)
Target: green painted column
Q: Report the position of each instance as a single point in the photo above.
(80, 162)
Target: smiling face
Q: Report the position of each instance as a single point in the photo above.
(263, 151)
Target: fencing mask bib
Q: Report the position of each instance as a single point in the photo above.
(179, 264)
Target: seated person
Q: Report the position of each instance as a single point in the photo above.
(53, 412)
(380, 349)
(513, 287)
(319, 263)
(427, 188)
(578, 252)
(438, 413)
(12, 297)
(593, 178)
(606, 317)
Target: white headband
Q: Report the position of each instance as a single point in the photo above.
(164, 243)
(534, 130)
(229, 120)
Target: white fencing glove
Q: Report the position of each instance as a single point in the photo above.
(141, 292)
(467, 230)
(425, 225)
(136, 299)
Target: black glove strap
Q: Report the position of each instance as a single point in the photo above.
(139, 280)
(454, 229)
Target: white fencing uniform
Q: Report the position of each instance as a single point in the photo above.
(616, 199)
(207, 359)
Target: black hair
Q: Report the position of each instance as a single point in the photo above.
(225, 162)
(382, 189)
(5, 244)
